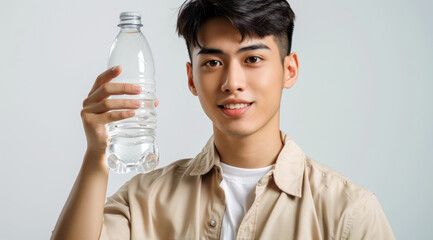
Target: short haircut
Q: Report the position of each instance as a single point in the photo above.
(251, 17)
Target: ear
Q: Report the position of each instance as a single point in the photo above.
(291, 68)
(191, 85)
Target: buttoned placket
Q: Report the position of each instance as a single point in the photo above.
(216, 217)
(248, 225)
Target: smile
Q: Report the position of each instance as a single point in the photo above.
(235, 110)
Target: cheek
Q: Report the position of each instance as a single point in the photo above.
(206, 90)
(205, 81)
(266, 82)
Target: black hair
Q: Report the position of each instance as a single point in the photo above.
(251, 17)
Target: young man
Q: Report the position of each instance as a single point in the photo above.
(251, 181)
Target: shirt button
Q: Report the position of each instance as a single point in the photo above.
(212, 223)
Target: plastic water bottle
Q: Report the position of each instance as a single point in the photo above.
(132, 142)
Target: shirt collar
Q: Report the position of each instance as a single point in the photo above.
(206, 159)
(288, 170)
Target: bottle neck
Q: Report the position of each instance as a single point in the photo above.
(130, 28)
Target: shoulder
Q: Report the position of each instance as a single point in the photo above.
(174, 170)
(328, 183)
(354, 208)
(144, 184)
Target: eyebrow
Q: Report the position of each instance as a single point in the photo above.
(205, 50)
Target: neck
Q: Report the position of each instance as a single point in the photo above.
(255, 150)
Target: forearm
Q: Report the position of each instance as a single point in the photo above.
(81, 217)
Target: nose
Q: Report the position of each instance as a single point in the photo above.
(235, 79)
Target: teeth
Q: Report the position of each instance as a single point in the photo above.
(235, 106)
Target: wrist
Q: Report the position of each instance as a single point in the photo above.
(94, 160)
(95, 152)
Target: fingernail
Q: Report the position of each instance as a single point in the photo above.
(137, 88)
(137, 103)
(114, 68)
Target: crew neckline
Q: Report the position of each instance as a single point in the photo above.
(232, 172)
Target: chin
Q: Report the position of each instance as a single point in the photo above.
(236, 131)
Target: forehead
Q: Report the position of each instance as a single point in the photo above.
(219, 33)
(218, 28)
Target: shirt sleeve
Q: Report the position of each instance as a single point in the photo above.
(116, 222)
(369, 222)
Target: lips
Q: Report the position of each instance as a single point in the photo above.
(235, 107)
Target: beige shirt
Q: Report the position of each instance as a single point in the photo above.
(297, 199)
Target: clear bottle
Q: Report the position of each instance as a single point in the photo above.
(132, 142)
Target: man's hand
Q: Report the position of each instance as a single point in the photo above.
(96, 108)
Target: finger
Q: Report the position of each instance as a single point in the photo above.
(115, 116)
(156, 102)
(108, 89)
(106, 76)
(113, 104)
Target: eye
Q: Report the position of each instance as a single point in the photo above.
(253, 59)
(213, 63)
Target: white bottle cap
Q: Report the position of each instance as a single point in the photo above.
(130, 18)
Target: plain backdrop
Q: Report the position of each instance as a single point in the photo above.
(362, 104)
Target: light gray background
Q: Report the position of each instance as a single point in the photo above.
(362, 104)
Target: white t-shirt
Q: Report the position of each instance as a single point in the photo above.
(239, 186)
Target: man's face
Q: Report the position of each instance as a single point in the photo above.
(239, 84)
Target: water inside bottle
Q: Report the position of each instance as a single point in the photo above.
(131, 144)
